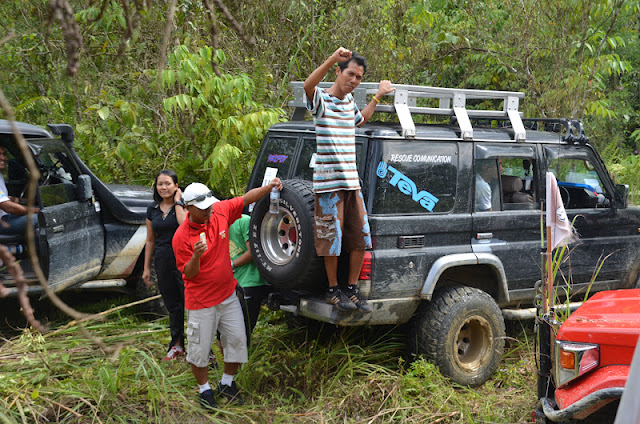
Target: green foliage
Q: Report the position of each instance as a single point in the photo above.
(215, 115)
(627, 169)
(292, 376)
(580, 61)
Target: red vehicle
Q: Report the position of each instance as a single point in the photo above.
(590, 358)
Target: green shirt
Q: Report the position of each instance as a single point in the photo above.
(247, 275)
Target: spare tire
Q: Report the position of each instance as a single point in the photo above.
(283, 245)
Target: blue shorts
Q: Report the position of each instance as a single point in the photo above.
(341, 219)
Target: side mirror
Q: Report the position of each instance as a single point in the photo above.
(85, 192)
(622, 196)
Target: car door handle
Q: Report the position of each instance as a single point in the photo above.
(484, 236)
(58, 228)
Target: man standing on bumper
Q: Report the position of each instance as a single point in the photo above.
(201, 246)
(340, 214)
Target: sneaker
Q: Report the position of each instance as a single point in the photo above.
(340, 301)
(174, 353)
(356, 297)
(207, 399)
(213, 363)
(231, 392)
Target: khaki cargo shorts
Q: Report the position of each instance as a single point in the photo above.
(341, 219)
(202, 325)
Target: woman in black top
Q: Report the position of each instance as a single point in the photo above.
(163, 218)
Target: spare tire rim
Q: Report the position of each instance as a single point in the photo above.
(279, 236)
(473, 344)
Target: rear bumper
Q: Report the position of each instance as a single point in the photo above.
(385, 312)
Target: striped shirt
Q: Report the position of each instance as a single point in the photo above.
(335, 120)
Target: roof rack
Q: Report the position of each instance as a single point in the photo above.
(571, 130)
(452, 103)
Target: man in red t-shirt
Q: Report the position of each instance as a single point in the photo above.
(201, 246)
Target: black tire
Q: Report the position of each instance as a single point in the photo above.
(142, 291)
(283, 245)
(462, 332)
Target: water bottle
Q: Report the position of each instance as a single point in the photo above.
(274, 200)
(15, 249)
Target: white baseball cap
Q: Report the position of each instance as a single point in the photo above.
(198, 195)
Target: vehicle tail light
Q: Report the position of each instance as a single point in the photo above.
(573, 360)
(365, 271)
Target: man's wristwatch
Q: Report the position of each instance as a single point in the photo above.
(233, 268)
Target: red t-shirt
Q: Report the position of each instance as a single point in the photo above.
(215, 282)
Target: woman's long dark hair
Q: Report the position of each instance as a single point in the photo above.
(169, 173)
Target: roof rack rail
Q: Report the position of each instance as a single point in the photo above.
(571, 130)
(452, 102)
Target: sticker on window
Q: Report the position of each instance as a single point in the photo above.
(277, 158)
(407, 186)
(420, 158)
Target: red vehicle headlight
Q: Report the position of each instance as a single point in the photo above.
(573, 360)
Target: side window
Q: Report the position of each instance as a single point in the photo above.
(505, 177)
(278, 154)
(487, 186)
(17, 176)
(518, 183)
(56, 182)
(579, 182)
(415, 177)
(58, 174)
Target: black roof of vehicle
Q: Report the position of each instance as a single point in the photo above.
(26, 130)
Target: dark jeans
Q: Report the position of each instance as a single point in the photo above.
(253, 298)
(17, 224)
(172, 290)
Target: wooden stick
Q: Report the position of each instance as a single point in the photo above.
(549, 300)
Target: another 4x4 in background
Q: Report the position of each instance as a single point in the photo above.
(451, 271)
(89, 235)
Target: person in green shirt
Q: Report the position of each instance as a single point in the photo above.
(255, 287)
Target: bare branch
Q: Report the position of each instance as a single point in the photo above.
(103, 7)
(61, 10)
(165, 40)
(214, 34)
(223, 8)
(129, 31)
(15, 270)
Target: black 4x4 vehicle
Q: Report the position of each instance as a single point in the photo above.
(89, 235)
(438, 262)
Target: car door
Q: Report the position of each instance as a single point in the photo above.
(70, 231)
(510, 228)
(418, 210)
(606, 236)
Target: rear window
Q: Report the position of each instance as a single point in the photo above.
(304, 170)
(415, 177)
(278, 155)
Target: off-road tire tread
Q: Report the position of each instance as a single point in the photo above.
(309, 274)
(427, 326)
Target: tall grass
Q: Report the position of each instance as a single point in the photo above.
(354, 375)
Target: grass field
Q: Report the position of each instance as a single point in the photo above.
(353, 375)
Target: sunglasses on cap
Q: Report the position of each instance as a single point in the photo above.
(199, 198)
